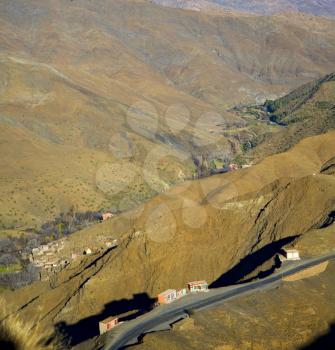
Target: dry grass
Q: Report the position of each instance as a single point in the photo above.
(15, 334)
(58, 118)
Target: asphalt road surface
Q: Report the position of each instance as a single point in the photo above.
(128, 332)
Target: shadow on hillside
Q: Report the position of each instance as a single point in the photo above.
(324, 342)
(251, 262)
(87, 328)
(8, 345)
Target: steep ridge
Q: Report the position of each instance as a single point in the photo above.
(306, 111)
(223, 218)
(284, 108)
(310, 328)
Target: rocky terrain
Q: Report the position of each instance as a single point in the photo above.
(95, 90)
(123, 106)
(231, 216)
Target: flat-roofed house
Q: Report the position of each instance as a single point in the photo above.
(108, 324)
(87, 251)
(291, 254)
(167, 296)
(198, 286)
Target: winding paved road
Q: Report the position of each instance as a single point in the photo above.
(161, 317)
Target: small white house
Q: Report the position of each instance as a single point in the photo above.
(198, 286)
(36, 252)
(291, 254)
(44, 248)
(87, 251)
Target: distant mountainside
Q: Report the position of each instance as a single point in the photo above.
(268, 7)
(196, 5)
(263, 7)
(306, 111)
(73, 72)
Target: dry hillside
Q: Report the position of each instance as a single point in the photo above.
(128, 91)
(295, 315)
(116, 105)
(224, 219)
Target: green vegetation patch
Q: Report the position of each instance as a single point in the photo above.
(10, 268)
(297, 99)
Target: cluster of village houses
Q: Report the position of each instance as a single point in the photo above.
(229, 168)
(53, 257)
(171, 295)
(48, 258)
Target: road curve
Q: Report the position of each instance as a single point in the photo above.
(128, 332)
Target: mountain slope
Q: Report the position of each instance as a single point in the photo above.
(310, 328)
(223, 218)
(308, 110)
(195, 52)
(132, 91)
(59, 138)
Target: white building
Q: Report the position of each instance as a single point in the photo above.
(198, 286)
(291, 254)
(181, 293)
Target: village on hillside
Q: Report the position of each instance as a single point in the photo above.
(54, 256)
